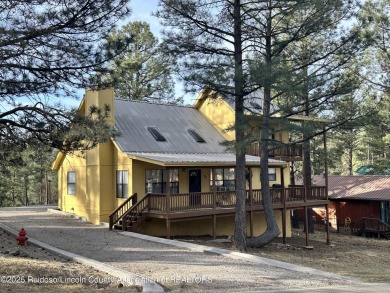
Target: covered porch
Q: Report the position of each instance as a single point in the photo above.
(200, 186)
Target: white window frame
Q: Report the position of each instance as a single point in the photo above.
(71, 183)
(122, 183)
(272, 174)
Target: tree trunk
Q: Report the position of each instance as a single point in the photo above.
(240, 212)
(272, 230)
(307, 167)
(350, 155)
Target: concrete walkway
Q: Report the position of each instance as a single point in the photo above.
(179, 269)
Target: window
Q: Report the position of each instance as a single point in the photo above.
(71, 182)
(156, 181)
(225, 179)
(272, 174)
(196, 136)
(156, 134)
(122, 183)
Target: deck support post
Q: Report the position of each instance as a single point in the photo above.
(306, 227)
(284, 211)
(251, 223)
(168, 223)
(214, 226)
(250, 202)
(326, 186)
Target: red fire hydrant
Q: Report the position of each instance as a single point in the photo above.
(22, 239)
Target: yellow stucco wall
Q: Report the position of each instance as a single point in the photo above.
(220, 114)
(73, 203)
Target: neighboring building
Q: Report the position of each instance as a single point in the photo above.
(355, 197)
(167, 173)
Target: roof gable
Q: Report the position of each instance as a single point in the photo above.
(133, 118)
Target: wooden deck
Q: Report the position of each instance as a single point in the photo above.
(185, 206)
(285, 153)
(369, 227)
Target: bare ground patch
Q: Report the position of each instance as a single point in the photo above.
(365, 258)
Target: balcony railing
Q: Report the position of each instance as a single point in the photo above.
(288, 151)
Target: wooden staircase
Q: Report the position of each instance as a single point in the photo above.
(129, 214)
(370, 226)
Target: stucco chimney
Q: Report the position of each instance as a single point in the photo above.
(100, 98)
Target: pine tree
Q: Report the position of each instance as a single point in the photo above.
(49, 49)
(243, 48)
(142, 71)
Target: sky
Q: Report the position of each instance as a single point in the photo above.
(142, 10)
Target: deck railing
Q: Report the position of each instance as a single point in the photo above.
(227, 199)
(288, 151)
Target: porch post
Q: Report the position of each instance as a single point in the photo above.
(214, 188)
(284, 205)
(250, 203)
(168, 190)
(250, 187)
(326, 186)
(214, 217)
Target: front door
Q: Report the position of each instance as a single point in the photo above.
(195, 186)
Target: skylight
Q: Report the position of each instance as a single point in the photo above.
(156, 134)
(196, 136)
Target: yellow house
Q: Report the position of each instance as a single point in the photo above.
(169, 174)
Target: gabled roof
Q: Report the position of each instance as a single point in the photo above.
(253, 103)
(367, 187)
(133, 118)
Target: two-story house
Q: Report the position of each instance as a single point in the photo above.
(168, 173)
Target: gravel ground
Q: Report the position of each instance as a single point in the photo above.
(174, 268)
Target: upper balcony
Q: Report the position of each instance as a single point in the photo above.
(284, 153)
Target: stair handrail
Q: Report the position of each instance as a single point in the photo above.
(132, 208)
(116, 215)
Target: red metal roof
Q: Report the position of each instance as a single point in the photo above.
(367, 187)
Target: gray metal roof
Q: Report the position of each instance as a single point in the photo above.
(363, 187)
(168, 159)
(132, 119)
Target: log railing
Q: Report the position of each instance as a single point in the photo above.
(118, 213)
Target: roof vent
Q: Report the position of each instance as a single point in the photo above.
(196, 136)
(156, 134)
